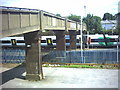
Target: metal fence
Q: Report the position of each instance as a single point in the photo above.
(17, 55)
(12, 55)
(89, 56)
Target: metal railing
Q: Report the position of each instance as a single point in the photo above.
(94, 56)
(17, 55)
(12, 55)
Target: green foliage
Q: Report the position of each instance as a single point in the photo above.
(108, 16)
(78, 66)
(74, 17)
(116, 31)
(93, 23)
(97, 23)
(71, 66)
(58, 15)
(107, 31)
(99, 66)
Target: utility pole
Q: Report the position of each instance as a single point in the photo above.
(85, 10)
(117, 51)
(81, 39)
(85, 15)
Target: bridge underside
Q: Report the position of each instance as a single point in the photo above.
(33, 51)
(30, 23)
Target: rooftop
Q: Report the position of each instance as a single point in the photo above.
(109, 22)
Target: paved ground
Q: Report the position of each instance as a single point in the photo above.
(63, 78)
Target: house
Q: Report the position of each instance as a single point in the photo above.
(109, 24)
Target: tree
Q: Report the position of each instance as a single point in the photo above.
(58, 15)
(97, 24)
(88, 21)
(108, 16)
(93, 23)
(74, 17)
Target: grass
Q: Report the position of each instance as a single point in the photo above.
(70, 66)
(9, 65)
(83, 66)
(78, 66)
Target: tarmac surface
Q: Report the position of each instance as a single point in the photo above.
(55, 77)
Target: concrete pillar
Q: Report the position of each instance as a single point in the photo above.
(60, 40)
(73, 39)
(33, 58)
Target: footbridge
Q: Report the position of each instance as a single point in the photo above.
(22, 20)
(31, 23)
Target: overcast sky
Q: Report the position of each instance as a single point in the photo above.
(67, 7)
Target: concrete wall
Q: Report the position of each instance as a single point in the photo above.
(18, 20)
(25, 20)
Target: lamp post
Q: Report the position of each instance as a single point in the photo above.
(117, 50)
(81, 44)
(81, 32)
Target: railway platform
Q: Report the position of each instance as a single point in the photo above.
(55, 77)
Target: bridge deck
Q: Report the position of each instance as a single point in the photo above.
(21, 20)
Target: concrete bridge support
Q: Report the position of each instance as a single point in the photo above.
(73, 39)
(33, 58)
(60, 40)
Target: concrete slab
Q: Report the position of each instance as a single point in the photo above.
(69, 78)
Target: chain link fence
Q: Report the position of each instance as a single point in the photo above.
(89, 56)
(17, 55)
(12, 55)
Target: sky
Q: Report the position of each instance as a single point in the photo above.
(67, 7)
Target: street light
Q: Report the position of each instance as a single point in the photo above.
(81, 39)
(117, 50)
(81, 31)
